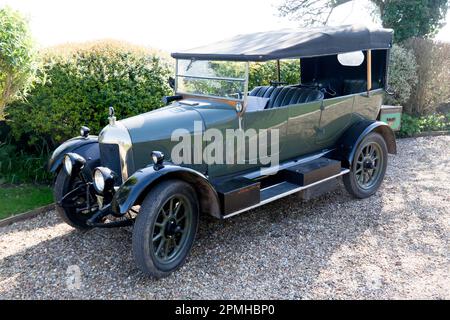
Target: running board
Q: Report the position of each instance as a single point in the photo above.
(281, 190)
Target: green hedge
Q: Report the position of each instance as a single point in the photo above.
(402, 76)
(412, 125)
(77, 85)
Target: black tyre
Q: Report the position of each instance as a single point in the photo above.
(165, 228)
(368, 167)
(63, 185)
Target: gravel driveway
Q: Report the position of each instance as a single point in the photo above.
(393, 245)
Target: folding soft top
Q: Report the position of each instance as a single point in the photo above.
(289, 43)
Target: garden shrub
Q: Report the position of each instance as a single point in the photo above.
(402, 76)
(412, 125)
(17, 57)
(78, 84)
(433, 89)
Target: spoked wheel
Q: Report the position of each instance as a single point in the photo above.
(165, 228)
(171, 228)
(368, 167)
(75, 211)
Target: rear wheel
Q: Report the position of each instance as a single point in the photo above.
(165, 228)
(368, 167)
(72, 215)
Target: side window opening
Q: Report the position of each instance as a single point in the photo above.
(265, 73)
(344, 74)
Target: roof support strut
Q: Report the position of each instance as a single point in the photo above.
(369, 71)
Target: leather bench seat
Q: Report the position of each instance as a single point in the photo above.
(354, 86)
(284, 96)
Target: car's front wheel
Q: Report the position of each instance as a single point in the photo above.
(368, 167)
(165, 228)
(71, 214)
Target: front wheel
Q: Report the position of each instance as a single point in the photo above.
(72, 214)
(368, 167)
(165, 228)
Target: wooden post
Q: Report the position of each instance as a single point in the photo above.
(278, 71)
(369, 71)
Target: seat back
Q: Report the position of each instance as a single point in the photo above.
(354, 86)
(284, 96)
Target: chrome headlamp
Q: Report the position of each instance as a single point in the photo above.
(73, 163)
(104, 180)
(158, 159)
(84, 131)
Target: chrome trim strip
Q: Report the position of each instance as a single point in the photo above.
(208, 96)
(272, 186)
(212, 78)
(282, 195)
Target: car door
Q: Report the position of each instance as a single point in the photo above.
(335, 118)
(226, 120)
(274, 120)
(303, 123)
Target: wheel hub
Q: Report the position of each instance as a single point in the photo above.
(368, 164)
(171, 228)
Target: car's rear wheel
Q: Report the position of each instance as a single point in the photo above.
(368, 167)
(165, 228)
(72, 215)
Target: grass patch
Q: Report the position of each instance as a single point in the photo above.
(19, 199)
(19, 167)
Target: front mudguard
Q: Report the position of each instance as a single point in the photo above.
(88, 148)
(139, 184)
(350, 140)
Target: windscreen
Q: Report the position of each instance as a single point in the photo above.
(223, 79)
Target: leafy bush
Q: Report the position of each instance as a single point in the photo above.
(17, 57)
(80, 82)
(432, 89)
(412, 125)
(402, 76)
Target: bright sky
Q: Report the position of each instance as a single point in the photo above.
(169, 25)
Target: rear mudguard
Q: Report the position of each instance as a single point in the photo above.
(350, 140)
(137, 186)
(86, 147)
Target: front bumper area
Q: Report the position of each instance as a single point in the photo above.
(86, 199)
(97, 220)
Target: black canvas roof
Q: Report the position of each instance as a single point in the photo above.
(289, 43)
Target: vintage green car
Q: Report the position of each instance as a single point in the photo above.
(222, 148)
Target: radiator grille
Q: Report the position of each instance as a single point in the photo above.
(110, 158)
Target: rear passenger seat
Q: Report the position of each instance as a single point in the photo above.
(284, 96)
